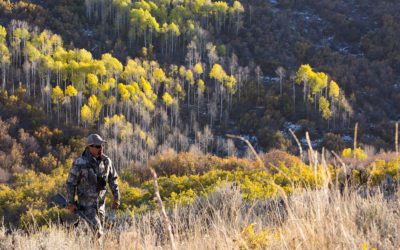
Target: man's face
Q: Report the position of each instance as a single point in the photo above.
(96, 150)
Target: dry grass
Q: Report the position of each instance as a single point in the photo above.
(311, 219)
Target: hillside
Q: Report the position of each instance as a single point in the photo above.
(352, 41)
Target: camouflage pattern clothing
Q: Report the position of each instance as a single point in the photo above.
(88, 178)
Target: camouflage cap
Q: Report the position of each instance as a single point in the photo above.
(95, 139)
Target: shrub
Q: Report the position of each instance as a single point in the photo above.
(358, 153)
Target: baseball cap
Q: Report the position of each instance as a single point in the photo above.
(95, 139)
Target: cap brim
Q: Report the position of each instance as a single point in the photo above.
(96, 143)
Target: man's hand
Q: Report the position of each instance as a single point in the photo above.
(115, 204)
(71, 207)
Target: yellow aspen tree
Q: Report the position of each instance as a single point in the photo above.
(147, 89)
(113, 65)
(83, 55)
(132, 89)
(86, 115)
(302, 77)
(220, 10)
(57, 96)
(173, 32)
(148, 104)
(124, 92)
(3, 34)
(201, 86)
(324, 108)
(189, 77)
(167, 99)
(190, 80)
(70, 91)
(118, 127)
(92, 83)
(4, 61)
(95, 107)
(99, 68)
(334, 95)
(334, 91)
(159, 77)
(105, 86)
(230, 84)
(182, 71)
(179, 91)
(318, 81)
(198, 69)
(236, 12)
(217, 73)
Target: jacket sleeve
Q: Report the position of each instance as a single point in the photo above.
(113, 181)
(72, 182)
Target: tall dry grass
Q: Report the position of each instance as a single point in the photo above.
(310, 219)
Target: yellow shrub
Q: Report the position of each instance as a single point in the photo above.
(347, 152)
(253, 240)
(358, 153)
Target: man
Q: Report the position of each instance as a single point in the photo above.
(88, 178)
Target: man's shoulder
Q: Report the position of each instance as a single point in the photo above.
(80, 161)
(106, 159)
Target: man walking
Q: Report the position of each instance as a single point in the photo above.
(88, 177)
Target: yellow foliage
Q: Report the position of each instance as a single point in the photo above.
(86, 114)
(359, 154)
(189, 76)
(159, 75)
(105, 86)
(3, 34)
(147, 89)
(218, 73)
(324, 108)
(334, 90)
(178, 88)
(13, 98)
(198, 69)
(167, 98)
(71, 91)
(253, 240)
(119, 125)
(123, 91)
(201, 86)
(230, 83)
(347, 152)
(93, 82)
(95, 106)
(303, 74)
(57, 94)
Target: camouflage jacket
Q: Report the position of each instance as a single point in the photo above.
(88, 178)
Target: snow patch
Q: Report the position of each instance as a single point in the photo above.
(294, 127)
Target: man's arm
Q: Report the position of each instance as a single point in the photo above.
(72, 182)
(113, 182)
